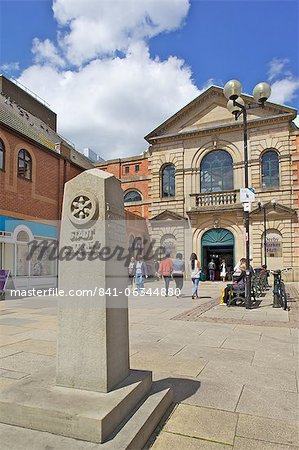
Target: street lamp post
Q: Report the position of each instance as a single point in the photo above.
(232, 91)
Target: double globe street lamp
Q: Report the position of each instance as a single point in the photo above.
(236, 105)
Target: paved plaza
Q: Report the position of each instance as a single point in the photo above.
(233, 371)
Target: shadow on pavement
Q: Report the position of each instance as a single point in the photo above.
(183, 388)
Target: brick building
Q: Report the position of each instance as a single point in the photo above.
(193, 172)
(134, 173)
(35, 162)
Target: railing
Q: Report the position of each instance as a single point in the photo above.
(214, 199)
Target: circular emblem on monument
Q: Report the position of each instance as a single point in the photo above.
(82, 208)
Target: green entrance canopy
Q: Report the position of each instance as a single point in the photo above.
(217, 237)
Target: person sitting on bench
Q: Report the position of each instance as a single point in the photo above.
(239, 278)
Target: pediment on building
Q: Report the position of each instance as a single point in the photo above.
(208, 111)
(274, 209)
(168, 215)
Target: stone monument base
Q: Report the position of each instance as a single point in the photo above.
(127, 415)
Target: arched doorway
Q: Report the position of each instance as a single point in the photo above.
(217, 244)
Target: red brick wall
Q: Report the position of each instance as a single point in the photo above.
(132, 180)
(40, 198)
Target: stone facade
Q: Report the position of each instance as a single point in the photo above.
(195, 218)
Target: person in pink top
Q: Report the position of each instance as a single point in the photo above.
(165, 270)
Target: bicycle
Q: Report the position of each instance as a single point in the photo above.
(279, 288)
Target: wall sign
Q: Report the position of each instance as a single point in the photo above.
(4, 275)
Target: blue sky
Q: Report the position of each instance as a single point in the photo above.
(212, 41)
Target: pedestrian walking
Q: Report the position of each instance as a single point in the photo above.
(223, 270)
(212, 268)
(195, 274)
(166, 269)
(131, 271)
(178, 273)
(140, 273)
(156, 268)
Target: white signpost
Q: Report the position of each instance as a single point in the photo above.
(247, 195)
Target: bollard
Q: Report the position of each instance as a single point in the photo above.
(276, 295)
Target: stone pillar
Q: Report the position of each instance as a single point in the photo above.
(93, 340)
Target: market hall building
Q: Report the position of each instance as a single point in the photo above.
(187, 184)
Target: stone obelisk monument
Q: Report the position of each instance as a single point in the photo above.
(93, 338)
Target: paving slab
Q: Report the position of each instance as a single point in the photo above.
(217, 354)
(6, 382)
(170, 441)
(223, 396)
(204, 423)
(271, 403)
(270, 430)
(25, 361)
(264, 358)
(248, 374)
(11, 329)
(16, 321)
(43, 335)
(25, 439)
(13, 374)
(6, 340)
(166, 363)
(31, 346)
(253, 444)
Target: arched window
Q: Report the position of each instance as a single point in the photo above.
(168, 181)
(270, 169)
(216, 172)
(132, 196)
(2, 150)
(24, 165)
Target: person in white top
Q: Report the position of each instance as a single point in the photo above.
(223, 271)
(195, 274)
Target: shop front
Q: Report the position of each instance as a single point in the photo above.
(28, 270)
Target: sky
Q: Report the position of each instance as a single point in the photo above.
(113, 70)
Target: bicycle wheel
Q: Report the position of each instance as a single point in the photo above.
(284, 299)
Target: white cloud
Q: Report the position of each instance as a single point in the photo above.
(93, 28)
(276, 67)
(46, 52)
(284, 90)
(10, 67)
(111, 103)
(284, 84)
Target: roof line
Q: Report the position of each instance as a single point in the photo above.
(225, 125)
(202, 94)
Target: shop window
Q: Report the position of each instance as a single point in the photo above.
(2, 155)
(270, 169)
(132, 196)
(22, 263)
(7, 257)
(216, 172)
(24, 165)
(44, 265)
(168, 181)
